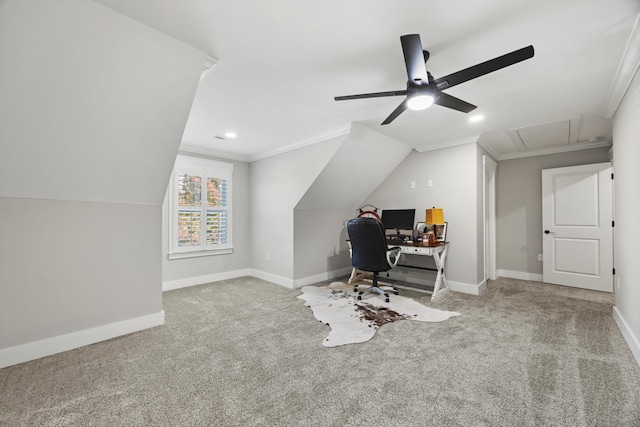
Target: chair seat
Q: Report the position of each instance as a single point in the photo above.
(369, 252)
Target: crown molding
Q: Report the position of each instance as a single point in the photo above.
(313, 139)
(430, 147)
(489, 149)
(195, 149)
(209, 63)
(573, 147)
(627, 69)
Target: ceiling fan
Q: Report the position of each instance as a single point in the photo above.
(423, 90)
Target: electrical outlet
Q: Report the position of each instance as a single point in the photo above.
(430, 183)
(412, 184)
(539, 257)
(266, 257)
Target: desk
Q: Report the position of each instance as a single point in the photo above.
(439, 254)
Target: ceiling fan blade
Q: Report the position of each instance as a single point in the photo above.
(371, 95)
(396, 112)
(485, 68)
(449, 101)
(414, 59)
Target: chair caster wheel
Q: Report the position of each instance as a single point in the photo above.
(355, 289)
(396, 293)
(386, 300)
(359, 297)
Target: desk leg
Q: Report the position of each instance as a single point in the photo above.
(441, 279)
(356, 276)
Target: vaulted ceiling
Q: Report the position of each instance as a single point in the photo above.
(279, 64)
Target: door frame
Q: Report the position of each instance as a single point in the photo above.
(489, 172)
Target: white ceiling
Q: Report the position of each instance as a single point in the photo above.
(280, 63)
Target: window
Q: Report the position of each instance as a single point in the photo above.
(200, 208)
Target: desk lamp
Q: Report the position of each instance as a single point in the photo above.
(435, 216)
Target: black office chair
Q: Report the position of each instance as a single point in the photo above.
(369, 252)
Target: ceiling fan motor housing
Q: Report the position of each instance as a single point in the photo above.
(423, 90)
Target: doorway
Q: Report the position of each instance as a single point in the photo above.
(577, 226)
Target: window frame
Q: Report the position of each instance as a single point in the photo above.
(206, 168)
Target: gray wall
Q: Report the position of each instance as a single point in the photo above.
(277, 185)
(361, 162)
(189, 271)
(519, 209)
(320, 244)
(288, 191)
(69, 266)
(454, 174)
(626, 149)
(92, 109)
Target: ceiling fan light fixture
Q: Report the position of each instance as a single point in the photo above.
(420, 102)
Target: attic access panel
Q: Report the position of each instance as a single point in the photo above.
(540, 137)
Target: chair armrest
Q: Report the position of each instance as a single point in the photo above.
(393, 255)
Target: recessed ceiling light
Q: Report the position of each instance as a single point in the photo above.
(230, 135)
(476, 118)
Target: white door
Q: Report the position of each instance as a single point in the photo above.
(577, 215)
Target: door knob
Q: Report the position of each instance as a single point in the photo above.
(546, 232)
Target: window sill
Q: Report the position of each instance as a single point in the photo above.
(196, 254)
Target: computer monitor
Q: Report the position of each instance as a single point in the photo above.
(398, 219)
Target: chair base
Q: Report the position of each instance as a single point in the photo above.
(376, 289)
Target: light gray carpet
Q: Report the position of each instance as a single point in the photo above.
(246, 352)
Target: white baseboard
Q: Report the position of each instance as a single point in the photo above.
(629, 337)
(269, 277)
(468, 288)
(49, 346)
(520, 275)
(201, 280)
(310, 280)
(278, 280)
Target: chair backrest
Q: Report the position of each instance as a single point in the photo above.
(368, 244)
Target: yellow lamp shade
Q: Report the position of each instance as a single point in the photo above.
(435, 216)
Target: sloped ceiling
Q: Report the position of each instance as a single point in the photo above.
(281, 63)
(363, 160)
(88, 100)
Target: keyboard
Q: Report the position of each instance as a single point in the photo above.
(395, 241)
